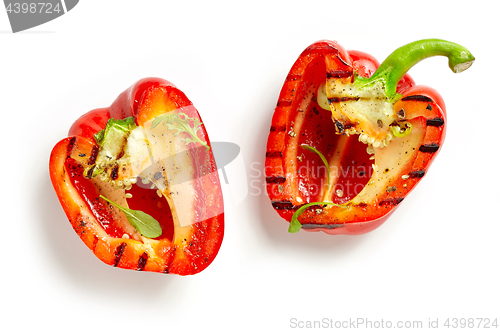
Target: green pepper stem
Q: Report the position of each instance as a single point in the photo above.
(401, 60)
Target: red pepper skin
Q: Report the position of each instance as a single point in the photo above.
(288, 190)
(169, 253)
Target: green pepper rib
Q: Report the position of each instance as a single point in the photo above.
(401, 60)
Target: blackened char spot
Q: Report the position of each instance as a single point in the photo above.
(275, 179)
(283, 205)
(122, 151)
(322, 226)
(340, 126)
(71, 145)
(90, 172)
(278, 128)
(93, 155)
(429, 148)
(274, 154)
(142, 261)
(391, 201)
(343, 99)
(114, 173)
(435, 122)
(418, 98)
(338, 74)
(120, 154)
(118, 253)
(417, 174)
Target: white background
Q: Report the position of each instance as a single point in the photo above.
(436, 257)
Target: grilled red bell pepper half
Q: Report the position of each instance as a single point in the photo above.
(139, 184)
(350, 139)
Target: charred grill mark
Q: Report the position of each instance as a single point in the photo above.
(343, 99)
(71, 145)
(429, 148)
(391, 201)
(322, 226)
(142, 261)
(93, 155)
(293, 77)
(114, 173)
(278, 128)
(275, 179)
(274, 154)
(339, 73)
(122, 151)
(118, 253)
(284, 103)
(420, 98)
(435, 122)
(283, 205)
(90, 172)
(417, 174)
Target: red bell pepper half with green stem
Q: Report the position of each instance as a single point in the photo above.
(139, 184)
(350, 139)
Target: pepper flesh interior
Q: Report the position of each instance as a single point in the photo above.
(368, 113)
(159, 157)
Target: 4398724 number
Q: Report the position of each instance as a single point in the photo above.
(476, 323)
(33, 8)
